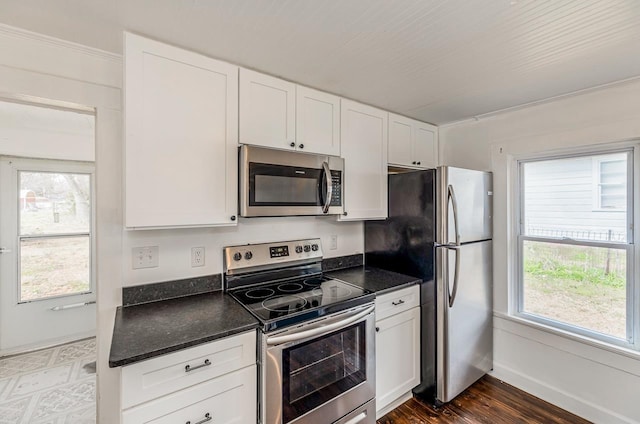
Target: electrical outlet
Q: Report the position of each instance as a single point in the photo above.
(197, 256)
(333, 245)
(145, 257)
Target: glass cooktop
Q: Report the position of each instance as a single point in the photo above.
(276, 301)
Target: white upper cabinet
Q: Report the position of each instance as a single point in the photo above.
(317, 121)
(181, 135)
(267, 110)
(412, 143)
(280, 114)
(364, 149)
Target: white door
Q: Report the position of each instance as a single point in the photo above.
(401, 140)
(267, 110)
(425, 146)
(364, 149)
(317, 121)
(47, 282)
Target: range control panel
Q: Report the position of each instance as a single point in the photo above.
(276, 254)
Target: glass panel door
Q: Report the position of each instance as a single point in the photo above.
(322, 369)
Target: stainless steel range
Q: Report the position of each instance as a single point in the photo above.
(317, 344)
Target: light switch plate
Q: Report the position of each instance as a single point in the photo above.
(145, 257)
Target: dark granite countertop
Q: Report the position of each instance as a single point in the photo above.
(374, 279)
(153, 329)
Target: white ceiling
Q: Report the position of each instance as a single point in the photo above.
(435, 60)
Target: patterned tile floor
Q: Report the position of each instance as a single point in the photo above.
(50, 386)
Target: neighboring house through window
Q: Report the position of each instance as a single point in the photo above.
(576, 261)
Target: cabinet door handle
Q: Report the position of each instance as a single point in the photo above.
(292, 144)
(418, 162)
(207, 417)
(399, 302)
(377, 329)
(414, 162)
(301, 146)
(189, 368)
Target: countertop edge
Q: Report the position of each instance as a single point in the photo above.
(115, 363)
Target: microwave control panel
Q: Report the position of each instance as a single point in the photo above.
(336, 184)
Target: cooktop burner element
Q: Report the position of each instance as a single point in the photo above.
(282, 283)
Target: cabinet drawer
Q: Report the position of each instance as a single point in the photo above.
(160, 376)
(397, 301)
(227, 399)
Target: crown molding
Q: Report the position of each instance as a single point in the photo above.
(11, 31)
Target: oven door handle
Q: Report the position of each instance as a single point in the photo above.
(300, 335)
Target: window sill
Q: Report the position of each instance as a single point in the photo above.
(588, 348)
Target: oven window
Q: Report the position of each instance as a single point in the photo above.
(320, 370)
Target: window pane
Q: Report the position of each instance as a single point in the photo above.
(582, 198)
(54, 203)
(54, 267)
(578, 285)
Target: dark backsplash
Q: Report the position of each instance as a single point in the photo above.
(331, 264)
(154, 292)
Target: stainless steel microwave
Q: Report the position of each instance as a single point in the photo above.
(282, 183)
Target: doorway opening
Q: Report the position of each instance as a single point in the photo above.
(47, 263)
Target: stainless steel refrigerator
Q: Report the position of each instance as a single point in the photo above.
(440, 229)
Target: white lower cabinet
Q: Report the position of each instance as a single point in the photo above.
(214, 383)
(223, 400)
(397, 349)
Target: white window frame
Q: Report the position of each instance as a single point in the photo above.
(63, 167)
(633, 257)
(597, 186)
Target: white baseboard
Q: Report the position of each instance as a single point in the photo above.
(560, 398)
(393, 405)
(46, 344)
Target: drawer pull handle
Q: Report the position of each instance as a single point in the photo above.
(188, 368)
(399, 302)
(207, 417)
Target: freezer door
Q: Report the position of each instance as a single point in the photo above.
(464, 201)
(464, 317)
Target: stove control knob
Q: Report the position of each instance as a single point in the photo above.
(237, 256)
(248, 255)
(298, 249)
(307, 248)
(314, 247)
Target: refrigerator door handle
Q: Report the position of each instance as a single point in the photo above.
(451, 194)
(452, 293)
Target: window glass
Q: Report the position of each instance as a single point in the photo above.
(575, 244)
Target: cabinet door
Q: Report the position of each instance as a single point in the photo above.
(397, 356)
(364, 148)
(317, 121)
(223, 400)
(401, 140)
(267, 110)
(425, 146)
(181, 137)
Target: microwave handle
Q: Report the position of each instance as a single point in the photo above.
(329, 183)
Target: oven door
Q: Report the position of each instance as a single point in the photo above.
(277, 183)
(321, 371)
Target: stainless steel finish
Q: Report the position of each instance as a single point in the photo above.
(286, 158)
(5, 250)
(366, 414)
(473, 202)
(464, 336)
(335, 409)
(207, 418)
(189, 368)
(72, 306)
(260, 257)
(329, 182)
(325, 326)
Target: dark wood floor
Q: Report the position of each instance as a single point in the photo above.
(488, 401)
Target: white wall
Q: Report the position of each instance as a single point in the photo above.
(175, 245)
(589, 379)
